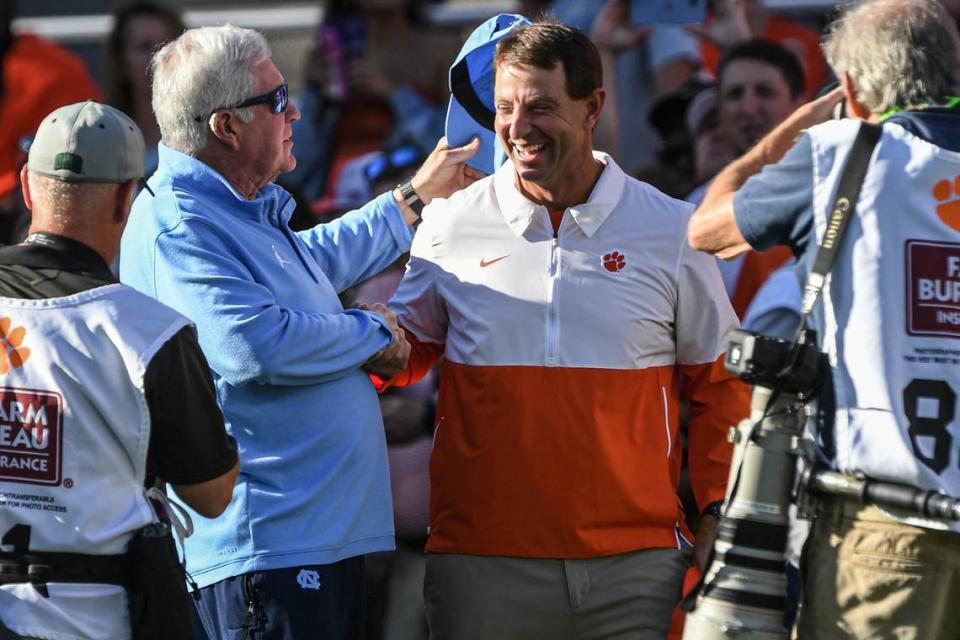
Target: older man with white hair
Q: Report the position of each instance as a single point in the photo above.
(290, 364)
(887, 318)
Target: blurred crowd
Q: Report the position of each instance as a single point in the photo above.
(682, 102)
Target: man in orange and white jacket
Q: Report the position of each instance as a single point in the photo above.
(571, 314)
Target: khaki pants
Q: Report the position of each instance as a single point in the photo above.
(627, 596)
(867, 576)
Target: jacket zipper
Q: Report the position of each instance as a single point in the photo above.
(250, 621)
(553, 293)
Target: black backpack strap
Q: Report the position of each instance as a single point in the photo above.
(19, 565)
(40, 568)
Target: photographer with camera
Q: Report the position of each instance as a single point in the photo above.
(888, 322)
(104, 394)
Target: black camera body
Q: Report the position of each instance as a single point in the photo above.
(776, 363)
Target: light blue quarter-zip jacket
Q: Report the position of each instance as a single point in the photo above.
(285, 357)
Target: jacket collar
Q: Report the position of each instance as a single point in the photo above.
(519, 212)
(51, 251)
(272, 203)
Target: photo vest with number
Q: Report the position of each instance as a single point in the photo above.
(890, 319)
(74, 432)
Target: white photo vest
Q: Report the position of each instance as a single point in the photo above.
(891, 308)
(74, 431)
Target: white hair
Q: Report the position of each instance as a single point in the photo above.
(899, 53)
(203, 70)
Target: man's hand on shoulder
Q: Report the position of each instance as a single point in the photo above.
(393, 358)
(443, 172)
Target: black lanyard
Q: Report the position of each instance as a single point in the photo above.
(848, 192)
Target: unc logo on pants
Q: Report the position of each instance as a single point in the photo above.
(308, 579)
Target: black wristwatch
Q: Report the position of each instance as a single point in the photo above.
(714, 509)
(410, 197)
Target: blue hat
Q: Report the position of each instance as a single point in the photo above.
(471, 111)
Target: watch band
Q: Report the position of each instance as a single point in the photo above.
(410, 197)
(714, 509)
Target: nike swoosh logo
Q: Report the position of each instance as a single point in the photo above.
(487, 263)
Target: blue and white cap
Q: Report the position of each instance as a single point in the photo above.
(471, 112)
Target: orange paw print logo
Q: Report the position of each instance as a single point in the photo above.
(947, 193)
(614, 261)
(11, 353)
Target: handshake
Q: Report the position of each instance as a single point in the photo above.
(392, 359)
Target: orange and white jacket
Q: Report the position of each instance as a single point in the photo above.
(558, 417)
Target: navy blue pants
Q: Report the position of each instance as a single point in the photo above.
(321, 602)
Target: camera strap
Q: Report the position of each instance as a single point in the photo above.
(844, 204)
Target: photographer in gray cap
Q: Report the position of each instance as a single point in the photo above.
(103, 392)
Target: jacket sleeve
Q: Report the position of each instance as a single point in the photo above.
(419, 304)
(244, 333)
(423, 357)
(361, 243)
(717, 399)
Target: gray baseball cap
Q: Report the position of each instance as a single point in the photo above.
(87, 142)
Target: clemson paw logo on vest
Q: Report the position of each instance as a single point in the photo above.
(12, 354)
(947, 193)
(614, 261)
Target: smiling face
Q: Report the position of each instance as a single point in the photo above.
(265, 145)
(546, 133)
(754, 98)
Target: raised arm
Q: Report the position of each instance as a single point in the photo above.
(714, 228)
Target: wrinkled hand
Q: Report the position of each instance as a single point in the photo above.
(392, 359)
(775, 144)
(445, 171)
(821, 109)
(612, 32)
(729, 25)
(706, 534)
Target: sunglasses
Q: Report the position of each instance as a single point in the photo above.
(277, 99)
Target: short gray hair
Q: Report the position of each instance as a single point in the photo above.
(203, 70)
(899, 53)
(63, 203)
